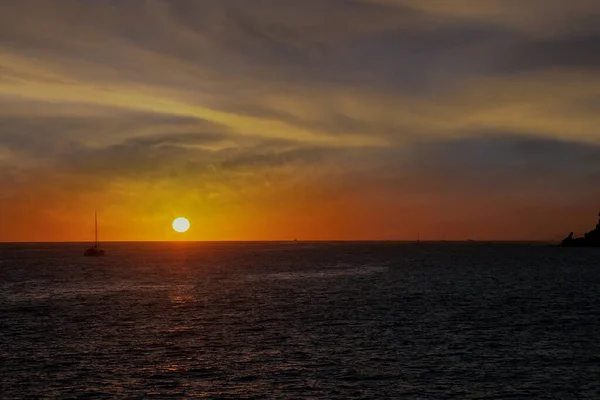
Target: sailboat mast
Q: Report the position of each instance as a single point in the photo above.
(96, 226)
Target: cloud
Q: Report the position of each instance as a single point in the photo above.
(506, 162)
(253, 102)
(533, 17)
(563, 52)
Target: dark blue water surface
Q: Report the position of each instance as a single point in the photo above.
(300, 320)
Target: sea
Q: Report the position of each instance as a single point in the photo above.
(300, 320)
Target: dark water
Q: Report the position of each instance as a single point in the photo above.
(292, 321)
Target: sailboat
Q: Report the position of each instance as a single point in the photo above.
(95, 251)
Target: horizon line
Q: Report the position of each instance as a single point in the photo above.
(299, 241)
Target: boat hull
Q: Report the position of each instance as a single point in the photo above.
(94, 253)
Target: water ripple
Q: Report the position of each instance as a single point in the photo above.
(329, 321)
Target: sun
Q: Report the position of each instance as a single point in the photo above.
(181, 224)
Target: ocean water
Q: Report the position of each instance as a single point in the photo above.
(300, 320)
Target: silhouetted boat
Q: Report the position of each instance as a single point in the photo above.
(95, 250)
(590, 239)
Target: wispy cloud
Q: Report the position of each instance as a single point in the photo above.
(241, 105)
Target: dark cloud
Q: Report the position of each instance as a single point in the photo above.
(50, 136)
(274, 159)
(562, 52)
(509, 163)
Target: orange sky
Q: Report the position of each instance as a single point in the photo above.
(323, 120)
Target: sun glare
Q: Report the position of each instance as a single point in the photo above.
(181, 224)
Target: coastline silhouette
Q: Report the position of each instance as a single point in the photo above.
(590, 239)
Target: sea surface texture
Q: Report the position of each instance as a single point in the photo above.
(300, 320)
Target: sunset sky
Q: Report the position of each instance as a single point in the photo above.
(308, 119)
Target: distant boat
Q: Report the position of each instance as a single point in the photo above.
(95, 250)
(590, 239)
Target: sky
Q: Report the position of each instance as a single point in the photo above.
(307, 119)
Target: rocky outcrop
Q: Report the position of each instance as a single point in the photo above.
(590, 239)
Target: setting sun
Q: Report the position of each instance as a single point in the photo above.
(181, 224)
